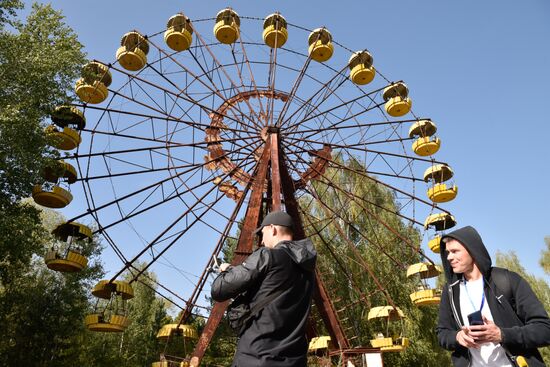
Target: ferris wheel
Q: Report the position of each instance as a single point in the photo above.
(190, 135)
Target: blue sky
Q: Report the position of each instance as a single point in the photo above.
(479, 69)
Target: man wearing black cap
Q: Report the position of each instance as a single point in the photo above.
(488, 316)
(279, 277)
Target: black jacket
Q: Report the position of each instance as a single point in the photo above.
(523, 329)
(276, 336)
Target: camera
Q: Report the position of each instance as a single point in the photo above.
(475, 318)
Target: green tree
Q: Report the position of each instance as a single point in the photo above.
(39, 59)
(359, 238)
(545, 256)
(42, 311)
(539, 285)
(137, 345)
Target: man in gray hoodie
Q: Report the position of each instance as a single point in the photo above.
(283, 272)
(488, 316)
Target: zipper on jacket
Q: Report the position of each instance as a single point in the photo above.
(457, 319)
(453, 307)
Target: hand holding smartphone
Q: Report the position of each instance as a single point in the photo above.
(475, 318)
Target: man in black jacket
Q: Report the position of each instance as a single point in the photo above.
(283, 270)
(488, 316)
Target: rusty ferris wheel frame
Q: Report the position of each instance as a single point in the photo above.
(223, 132)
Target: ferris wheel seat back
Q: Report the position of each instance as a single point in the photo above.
(426, 297)
(57, 198)
(440, 193)
(426, 146)
(170, 330)
(227, 27)
(115, 323)
(319, 342)
(397, 345)
(66, 139)
(73, 262)
(389, 344)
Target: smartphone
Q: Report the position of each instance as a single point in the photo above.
(475, 318)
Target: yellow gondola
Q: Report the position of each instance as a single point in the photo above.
(434, 244)
(387, 314)
(57, 170)
(71, 116)
(51, 196)
(65, 139)
(110, 311)
(179, 32)
(171, 330)
(227, 27)
(170, 364)
(440, 221)
(133, 50)
(92, 87)
(426, 144)
(108, 324)
(397, 99)
(105, 288)
(424, 295)
(275, 33)
(438, 173)
(440, 192)
(319, 343)
(70, 260)
(361, 70)
(320, 45)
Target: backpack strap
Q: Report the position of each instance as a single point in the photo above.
(501, 279)
(258, 306)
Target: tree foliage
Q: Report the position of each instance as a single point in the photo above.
(511, 262)
(545, 256)
(42, 310)
(364, 250)
(39, 59)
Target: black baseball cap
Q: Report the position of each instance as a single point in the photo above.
(277, 218)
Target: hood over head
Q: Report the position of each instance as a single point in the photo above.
(302, 252)
(471, 240)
